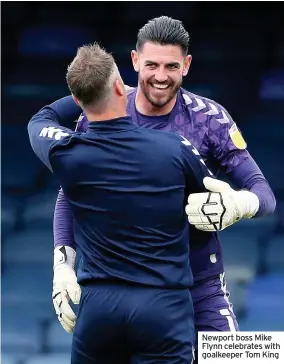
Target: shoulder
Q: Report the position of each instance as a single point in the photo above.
(130, 90)
(205, 109)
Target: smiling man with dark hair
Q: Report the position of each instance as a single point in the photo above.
(159, 102)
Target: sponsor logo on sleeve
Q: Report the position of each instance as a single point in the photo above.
(237, 137)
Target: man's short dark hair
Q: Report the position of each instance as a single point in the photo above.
(165, 31)
(89, 74)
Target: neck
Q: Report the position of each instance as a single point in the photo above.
(109, 115)
(146, 108)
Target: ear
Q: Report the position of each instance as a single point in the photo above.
(119, 87)
(76, 100)
(134, 57)
(187, 63)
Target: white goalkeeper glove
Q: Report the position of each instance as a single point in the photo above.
(221, 207)
(65, 286)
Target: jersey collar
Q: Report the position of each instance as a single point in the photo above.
(135, 114)
(113, 125)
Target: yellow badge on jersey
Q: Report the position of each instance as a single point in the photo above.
(237, 137)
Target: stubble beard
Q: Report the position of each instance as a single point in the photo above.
(156, 103)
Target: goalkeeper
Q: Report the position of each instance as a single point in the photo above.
(161, 60)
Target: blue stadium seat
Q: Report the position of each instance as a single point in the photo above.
(263, 124)
(39, 210)
(58, 340)
(265, 304)
(24, 283)
(239, 248)
(35, 211)
(264, 131)
(266, 318)
(49, 359)
(9, 206)
(8, 359)
(269, 162)
(255, 227)
(36, 308)
(275, 256)
(237, 278)
(53, 41)
(19, 333)
(31, 246)
(20, 166)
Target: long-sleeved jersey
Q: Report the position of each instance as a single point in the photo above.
(126, 187)
(209, 127)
